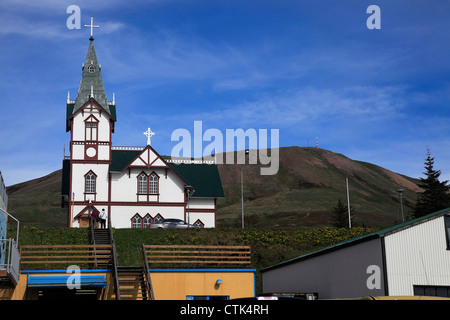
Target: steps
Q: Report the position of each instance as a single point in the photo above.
(131, 280)
(102, 236)
(132, 283)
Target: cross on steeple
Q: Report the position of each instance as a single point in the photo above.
(92, 27)
(149, 133)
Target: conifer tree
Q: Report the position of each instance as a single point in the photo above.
(435, 194)
(340, 215)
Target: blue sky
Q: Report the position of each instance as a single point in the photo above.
(309, 68)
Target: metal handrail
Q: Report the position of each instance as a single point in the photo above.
(12, 260)
(114, 260)
(147, 273)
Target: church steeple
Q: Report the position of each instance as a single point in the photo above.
(91, 85)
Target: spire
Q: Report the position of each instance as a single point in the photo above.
(91, 84)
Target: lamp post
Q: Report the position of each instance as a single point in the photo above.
(189, 191)
(400, 193)
(242, 189)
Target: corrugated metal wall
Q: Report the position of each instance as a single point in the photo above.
(417, 256)
(342, 273)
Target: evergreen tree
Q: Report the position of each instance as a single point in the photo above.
(340, 215)
(434, 196)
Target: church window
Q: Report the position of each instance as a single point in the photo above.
(136, 221)
(153, 184)
(91, 129)
(90, 182)
(199, 223)
(147, 221)
(142, 184)
(91, 68)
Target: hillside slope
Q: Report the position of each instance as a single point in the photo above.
(303, 193)
(307, 187)
(38, 201)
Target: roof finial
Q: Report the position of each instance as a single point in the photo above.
(92, 28)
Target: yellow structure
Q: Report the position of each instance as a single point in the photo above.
(90, 272)
(202, 284)
(95, 284)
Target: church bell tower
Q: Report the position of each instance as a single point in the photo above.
(90, 120)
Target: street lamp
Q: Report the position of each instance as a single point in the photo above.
(242, 190)
(189, 191)
(400, 193)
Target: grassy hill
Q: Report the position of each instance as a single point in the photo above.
(307, 187)
(38, 201)
(302, 194)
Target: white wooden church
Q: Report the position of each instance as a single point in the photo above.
(135, 185)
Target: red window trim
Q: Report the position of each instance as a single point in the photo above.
(91, 120)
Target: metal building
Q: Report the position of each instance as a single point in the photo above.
(408, 259)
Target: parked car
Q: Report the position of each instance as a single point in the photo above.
(171, 223)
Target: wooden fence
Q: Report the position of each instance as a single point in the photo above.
(53, 256)
(191, 255)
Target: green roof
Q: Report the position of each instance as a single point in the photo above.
(121, 158)
(204, 178)
(372, 235)
(112, 110)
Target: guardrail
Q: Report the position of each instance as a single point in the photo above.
(197, 255)
(11, 264)
(53, 256)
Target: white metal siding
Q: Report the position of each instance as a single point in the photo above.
(417, 256)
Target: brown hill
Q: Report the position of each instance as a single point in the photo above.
(307, 187)
(303, 193)
(38, 201)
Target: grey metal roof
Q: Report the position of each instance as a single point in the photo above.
(91, 79)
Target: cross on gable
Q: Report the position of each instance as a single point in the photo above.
(92, 27)
(149, 133)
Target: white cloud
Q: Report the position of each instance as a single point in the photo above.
(312, 104)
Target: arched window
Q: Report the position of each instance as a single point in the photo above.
(142, 184)
(90, 182)
(91, 125)
(199, 223)
(136, 221)
(153, 184)
(147, 221)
